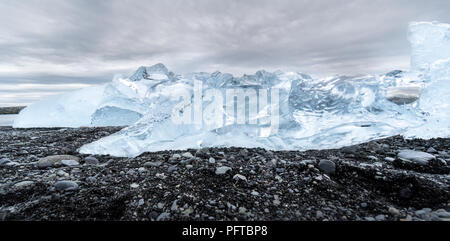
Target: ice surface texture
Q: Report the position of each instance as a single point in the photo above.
(310, 114)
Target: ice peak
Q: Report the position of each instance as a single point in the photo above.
(158, 71)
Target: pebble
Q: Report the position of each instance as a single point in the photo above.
(327, 166)
(65, 185)
(389, 159)
(153, 164)
(212, 160)
(91, 179)
(222, 170)
(418, 157)
(394, 211)
(134, 185)
(90, 160)
(69, 163)
(374, 158)
(187, 155)
(443, 214)
(276, 202)
(174, 206)
(423, 211)
(380, 217)
(175, 156)
(432, 150)
(53, 160)
(62, 173)
(255, 193)
(3, 161)
(238, 177)
(350, 149)
(242, 210)
(319, 215)
(163, 217)
(244, 152)
(23, 184)
(172, 169)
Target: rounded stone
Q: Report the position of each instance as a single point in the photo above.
(327, 166)
(65, 185)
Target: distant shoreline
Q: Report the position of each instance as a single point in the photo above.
(11, 110)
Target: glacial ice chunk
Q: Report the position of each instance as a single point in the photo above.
(430, 42)
(119, 103)
(68, 110)
(273, 110)
(313, 113)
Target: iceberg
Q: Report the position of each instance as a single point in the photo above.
(119, 103)
(273, 110)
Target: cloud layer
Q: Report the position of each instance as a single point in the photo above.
(84, 42)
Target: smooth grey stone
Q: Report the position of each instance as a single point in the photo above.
(153, 164)
(222, 170)
(90, 160)
(23, 184)
(65, 185)
(69, 163)
(327, 166)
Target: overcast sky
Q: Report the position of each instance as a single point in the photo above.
(51, 46)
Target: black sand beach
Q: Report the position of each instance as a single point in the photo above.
(364, 182)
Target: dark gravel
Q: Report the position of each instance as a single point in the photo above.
(363, 182)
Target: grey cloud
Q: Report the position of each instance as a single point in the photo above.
(40, 38)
